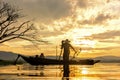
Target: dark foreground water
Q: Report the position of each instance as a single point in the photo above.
(99, 71)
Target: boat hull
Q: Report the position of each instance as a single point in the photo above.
(45, 61)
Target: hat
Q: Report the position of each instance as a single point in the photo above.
(67, 40)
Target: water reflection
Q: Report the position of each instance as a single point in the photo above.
(66, 72)
(84, 71)
(76, 72)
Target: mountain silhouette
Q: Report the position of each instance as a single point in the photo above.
(108, 58)
(7, 55)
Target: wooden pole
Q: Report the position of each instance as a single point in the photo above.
(56, 52)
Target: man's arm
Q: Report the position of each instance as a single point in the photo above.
(73, 48)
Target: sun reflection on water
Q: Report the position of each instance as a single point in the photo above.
(86, 78)
(84, 71)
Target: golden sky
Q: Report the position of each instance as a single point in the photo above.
(93, 25)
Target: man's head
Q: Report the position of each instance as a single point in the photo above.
(67, 41)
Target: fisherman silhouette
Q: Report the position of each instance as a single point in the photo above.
(66, 50)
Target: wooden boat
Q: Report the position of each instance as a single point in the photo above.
(45, 61)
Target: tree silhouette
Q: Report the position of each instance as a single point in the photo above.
(11, 27)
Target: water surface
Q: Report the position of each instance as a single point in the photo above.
(99, 71)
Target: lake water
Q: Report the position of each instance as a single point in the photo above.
(99, 71)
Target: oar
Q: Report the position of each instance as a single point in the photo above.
(16, 59)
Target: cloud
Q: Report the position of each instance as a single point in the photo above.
(107, 48)
(49, 34)
(99, 12)
(84, 3)
(106, 35)
(44, 9)
(53, 8)
(110, 41)
(48, 9)
(103, 48)
(99, 19)
(107, 1)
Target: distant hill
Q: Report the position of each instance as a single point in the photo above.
(108, 58)
(12, 56)
(7, 55)
(52, 57)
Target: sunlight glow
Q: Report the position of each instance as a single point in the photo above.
(79, 39)
(88, 42)
(84, 71)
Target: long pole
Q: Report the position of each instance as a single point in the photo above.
(60, 54)
(56, 52)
